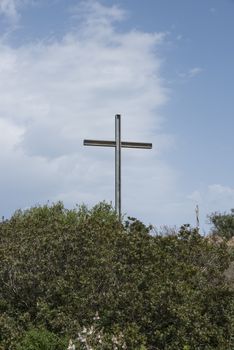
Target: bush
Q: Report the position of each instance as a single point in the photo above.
(222, 224)
(41, 339)
(59, 267)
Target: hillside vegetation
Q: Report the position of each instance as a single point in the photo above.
(83, 276)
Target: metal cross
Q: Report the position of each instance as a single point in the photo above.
(118, 144)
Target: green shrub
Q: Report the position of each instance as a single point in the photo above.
(59, 267)
(41, 339)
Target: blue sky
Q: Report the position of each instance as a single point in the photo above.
(67, 67)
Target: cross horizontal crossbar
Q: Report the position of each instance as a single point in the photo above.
(124, 144)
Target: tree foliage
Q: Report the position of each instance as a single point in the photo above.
(60, 267)
(223, 224)
(41, 339)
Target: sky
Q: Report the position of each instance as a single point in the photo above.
(167, 66)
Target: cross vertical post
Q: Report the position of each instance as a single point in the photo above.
(197, 217)
(118, 164)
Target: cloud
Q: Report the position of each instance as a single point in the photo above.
(93, 14)
(54, 94)
(10, 9)
(191, 73)
(218, 191)
(194, 72)
(195, 196)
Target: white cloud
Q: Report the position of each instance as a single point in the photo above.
(53, 95)
(195, 196)
(93, 13)
(218, 191)
(9, 8)
(10, 136)
(191, 73)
